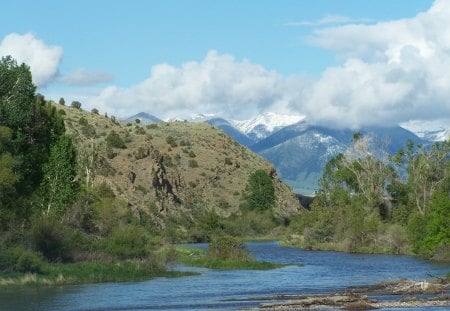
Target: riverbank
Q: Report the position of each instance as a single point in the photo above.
(55, 274)
(393, 294)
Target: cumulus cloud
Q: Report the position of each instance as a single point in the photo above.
(43, 59)
(84, 77)
(392, 71)
(219, 84)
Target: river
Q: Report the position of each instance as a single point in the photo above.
(307, 272)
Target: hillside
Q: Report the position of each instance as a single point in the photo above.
(170, 170)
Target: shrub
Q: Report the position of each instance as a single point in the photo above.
(192, 163)
(75, 104)
(171, 141)
(29, 262)
(128, 242)
(20, 260)
(51, 238)
(152, 126)
(228, 161)
(83, 121)
(141, 153)
(139, 130)
(94, 111)
(192, 154)
(114, 140)
(228, 248)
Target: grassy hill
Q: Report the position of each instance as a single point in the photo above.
(169, 172)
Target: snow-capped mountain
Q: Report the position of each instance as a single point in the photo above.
(300, 150)
(201, 117)
(436, 130)
(266, 124)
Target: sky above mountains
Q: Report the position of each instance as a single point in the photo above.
(344, 63)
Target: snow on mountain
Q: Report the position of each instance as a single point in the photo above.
(435, 130)
(265, 124)
(201, 117)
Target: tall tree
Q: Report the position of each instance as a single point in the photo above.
(58, 187)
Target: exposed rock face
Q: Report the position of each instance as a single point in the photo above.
(161, 185)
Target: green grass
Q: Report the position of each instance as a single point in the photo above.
(197, 258)
(89, 272)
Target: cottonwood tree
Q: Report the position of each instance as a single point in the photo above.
(427, 170)
(369, 163)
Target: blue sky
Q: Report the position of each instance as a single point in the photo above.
(235, 58)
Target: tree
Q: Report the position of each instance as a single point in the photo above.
(75, 104)
(94, 111)
(62, 102)
(260, 191)
(58, 187)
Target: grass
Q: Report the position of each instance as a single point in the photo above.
(89, 272)
(197, 258)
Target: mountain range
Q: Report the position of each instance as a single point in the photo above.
(300, 150)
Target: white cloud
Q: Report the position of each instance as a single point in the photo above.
(43, 59)
(84, 77)
(218, 84)
(391, 72)
(329, 20)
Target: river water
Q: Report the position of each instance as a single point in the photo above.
(307, 272)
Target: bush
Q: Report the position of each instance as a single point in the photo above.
(171, 141)
(139, 130)
(128, 242)
(228, 248)
(192, 163)
(29, 262)
(51, 238)
(75, 104)
(20, 260)
(228, 161)
(94, 111)
(114, 140)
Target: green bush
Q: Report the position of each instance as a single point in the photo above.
(171, 141)
(29, 262)
(128, 242)
(139, 130)
(51, 238)
(114, 140)
(228, 248)
(18, 259)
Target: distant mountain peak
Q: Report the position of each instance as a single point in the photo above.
(432, 130)
(144, 117)
(266, 124)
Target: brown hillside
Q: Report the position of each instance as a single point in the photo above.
(169, 169)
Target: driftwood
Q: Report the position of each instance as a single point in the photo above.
(359, 298)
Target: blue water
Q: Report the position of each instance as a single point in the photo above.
(321, 272)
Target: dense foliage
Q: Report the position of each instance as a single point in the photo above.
(372, 202)
(260, 191)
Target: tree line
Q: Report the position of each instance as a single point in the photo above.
(371, 201)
